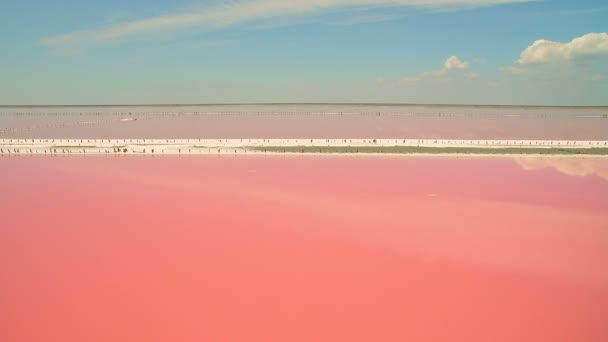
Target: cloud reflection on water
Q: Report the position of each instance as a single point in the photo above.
(577, 167)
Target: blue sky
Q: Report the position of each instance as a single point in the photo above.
(551, 52)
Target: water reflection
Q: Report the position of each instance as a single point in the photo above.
(576, 167)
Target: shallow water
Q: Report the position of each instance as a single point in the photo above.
(305, 121)
(303, 249)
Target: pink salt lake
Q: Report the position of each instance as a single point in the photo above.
(303, 249)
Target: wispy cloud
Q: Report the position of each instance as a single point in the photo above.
(364, 19)
(273, 23)
(66, 51)
(242, 11)
(514, 70)
(576, 11)
(199, 44)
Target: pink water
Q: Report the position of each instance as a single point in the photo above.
(305, 121)
(303, 249)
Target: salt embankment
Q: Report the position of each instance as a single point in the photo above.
(252, 146)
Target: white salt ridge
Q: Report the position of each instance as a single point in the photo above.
(243, 146)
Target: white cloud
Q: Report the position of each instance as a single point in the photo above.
(549, 52)
(452, 63)
(455, 63)
(242, 11)
(546, 59)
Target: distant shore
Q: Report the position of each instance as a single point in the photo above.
(305, 146)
